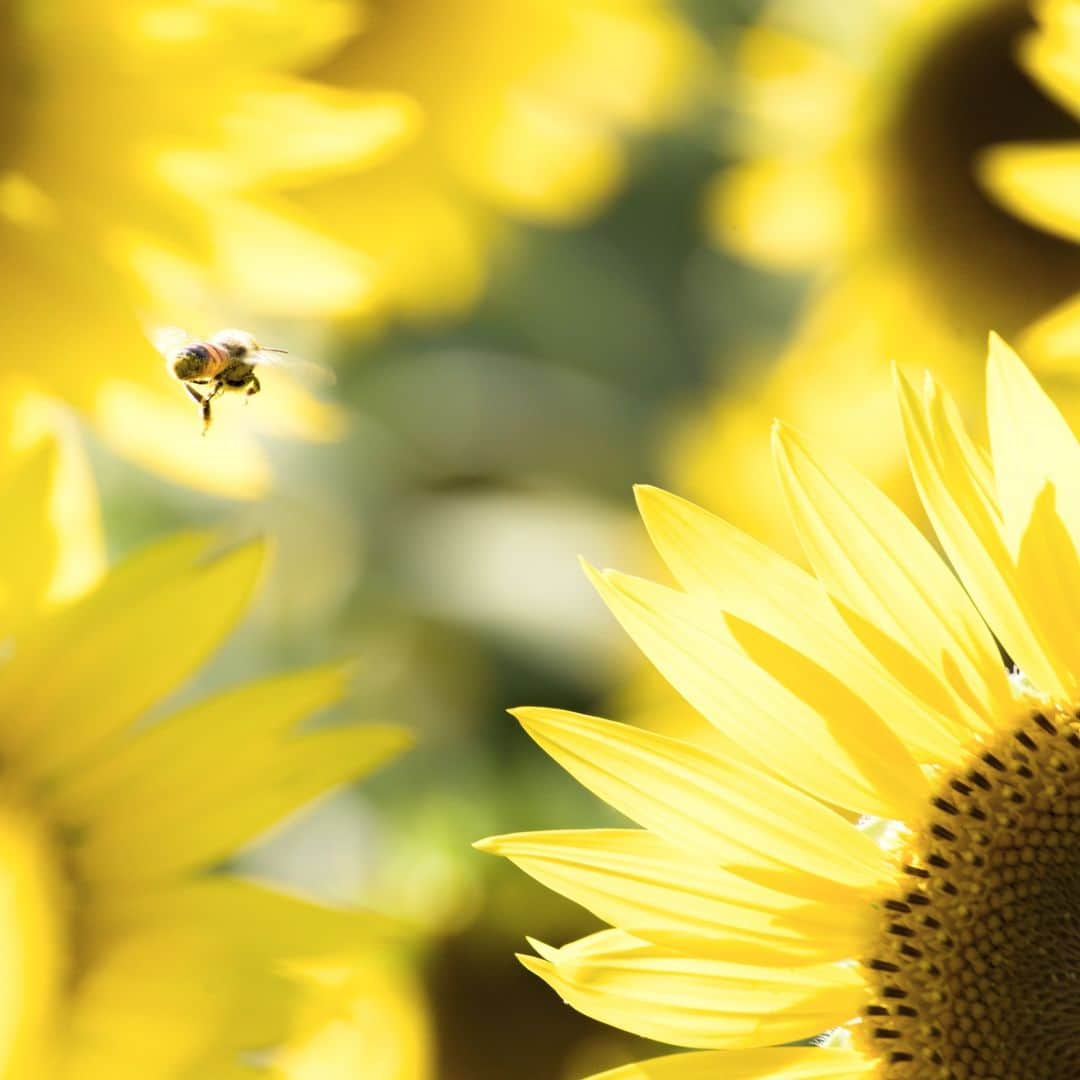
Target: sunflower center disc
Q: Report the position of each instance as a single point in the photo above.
(977, 970)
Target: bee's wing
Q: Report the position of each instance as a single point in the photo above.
(306, 369)
(168, 338)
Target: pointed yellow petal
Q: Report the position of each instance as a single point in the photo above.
(106, 673)
(690, 1001)
(781, 707)
(875, 561)
(647, 887)
(175, 754)
(947, 471)
(1032, 445)
(706, 554)
(724, 809)
(776, 1063)
(190, 827)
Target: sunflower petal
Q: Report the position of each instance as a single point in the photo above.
(874, 560)
(706, 554)
(101, 675)
(637, 882)
(691, 1001)
(947, 472)
(189, 826)
(776, 1063)
(782, 707)
(726, 810)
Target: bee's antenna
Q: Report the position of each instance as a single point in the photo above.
(265, 348)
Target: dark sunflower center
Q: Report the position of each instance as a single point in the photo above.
(967, 95)
(977, 972)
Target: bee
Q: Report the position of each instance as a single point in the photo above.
(226, 362)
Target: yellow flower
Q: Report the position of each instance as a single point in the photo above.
(1040, 182)
(151, 154)
(523, 103)
(888, 853)
(129, 949)
(857, 140)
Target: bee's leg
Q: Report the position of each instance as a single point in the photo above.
(218, 387)
(253, 387)
(196, 396)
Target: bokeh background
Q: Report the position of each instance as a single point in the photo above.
(484, 441)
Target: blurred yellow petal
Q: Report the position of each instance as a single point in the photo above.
(181, 826)
(59, 722)
(1038, 184)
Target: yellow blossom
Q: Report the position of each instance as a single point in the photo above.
(131, 949)
(890, 856)
(151, 158)
(523, 105)
(858, 140)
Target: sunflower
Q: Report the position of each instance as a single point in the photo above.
(888, 854)
(523, 105)
(150, 157)
(131, 949)
(857, 143)
(1039, 183)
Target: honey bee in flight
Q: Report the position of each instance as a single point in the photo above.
(226, 362)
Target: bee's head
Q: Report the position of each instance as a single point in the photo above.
(188, 362)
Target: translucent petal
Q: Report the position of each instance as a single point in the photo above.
(874, 560)
(747, 579)
(690, 1001)
(777, 1063)
(729, 812)
(646, 886)
(780, 706)
(947, 471)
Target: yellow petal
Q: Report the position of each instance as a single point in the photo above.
(647, 887)
(784, 709)
(1037, 182)
(947, 471)
(690, 1001)
(94, 669)
(776, 1063)
(757, 585)
(726, 810)
(191, 827)
(1032, 445)
(174, 754)
(874, 560)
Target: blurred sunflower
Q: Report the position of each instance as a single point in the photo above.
(890, 855)
(130, 949)
(149, 152)
(523, 104)
(858, 138)
(1040, 183)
